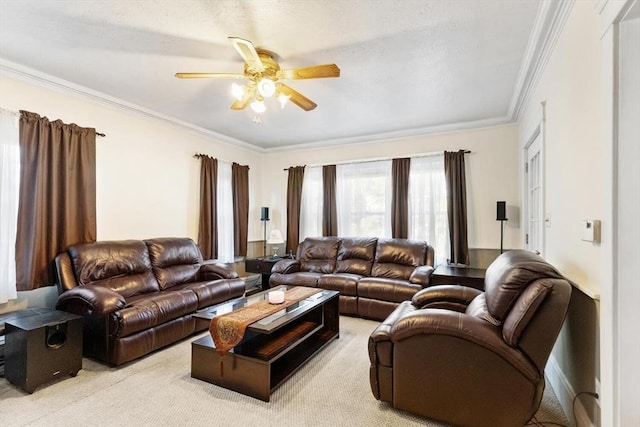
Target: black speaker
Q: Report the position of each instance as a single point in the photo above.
(501, 211)
(264, 213)
(41, 348)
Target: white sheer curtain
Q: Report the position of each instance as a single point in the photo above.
(224, 201)
(428, 204)
(311, 203)
(9, 188)
(363, 199)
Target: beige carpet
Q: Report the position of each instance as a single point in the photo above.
(332, 389)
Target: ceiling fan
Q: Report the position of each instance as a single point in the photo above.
(266, 79)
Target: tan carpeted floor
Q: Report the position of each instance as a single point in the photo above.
(331, 389)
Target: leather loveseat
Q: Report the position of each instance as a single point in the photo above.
(138, 296)
(473, 358)
(373, 275)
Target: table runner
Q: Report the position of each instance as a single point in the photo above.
(227, 330)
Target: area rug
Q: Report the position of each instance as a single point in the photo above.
(332, 389)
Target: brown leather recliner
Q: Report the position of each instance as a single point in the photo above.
(473, 358)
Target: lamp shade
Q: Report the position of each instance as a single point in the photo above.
(275, 237)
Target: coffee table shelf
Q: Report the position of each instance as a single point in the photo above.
(272, 350)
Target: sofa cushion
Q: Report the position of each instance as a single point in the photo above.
(213, 292)
(397, 258)
(146, 311)
(175, 260)
(383, 289)
(302, 278)
(318, 254)
(122, 266)
(356, 255)
(345, 283)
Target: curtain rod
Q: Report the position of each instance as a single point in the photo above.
(379, 159)
(100, 134)
(200, 155)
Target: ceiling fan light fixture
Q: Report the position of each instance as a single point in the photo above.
(266, 87)
(237, 91)
(258, 106)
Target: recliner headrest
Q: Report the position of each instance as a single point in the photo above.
(509, 275)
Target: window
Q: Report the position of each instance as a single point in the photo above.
(363, 195)
(224, 201)
(311, 203)
(363, 199)
(9, 190)
(428, 204)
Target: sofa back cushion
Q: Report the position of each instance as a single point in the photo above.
(318, 254)
(122, 266)
(397, 258)
(175, 260)
(356, 255)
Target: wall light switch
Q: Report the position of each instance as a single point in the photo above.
(590, 230)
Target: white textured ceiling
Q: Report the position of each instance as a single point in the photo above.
(407, 66)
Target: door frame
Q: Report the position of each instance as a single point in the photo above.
(529, 136)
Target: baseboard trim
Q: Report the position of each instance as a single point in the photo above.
(565, 394)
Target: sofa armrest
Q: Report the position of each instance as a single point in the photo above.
(447, 295)
(83, 300)
(475, 332)
(421, 275)
(286, 266)
(214, 270)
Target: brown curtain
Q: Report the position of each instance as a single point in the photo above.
(329, 211)
(57, 206)
(400, 198)
(240, 184)
(294, 194)
(457, 206)
(208, 224)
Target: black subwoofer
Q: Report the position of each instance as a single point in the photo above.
(41, 348)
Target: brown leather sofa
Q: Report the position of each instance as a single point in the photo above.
(373, 275)
(138, 296)
(473, 358)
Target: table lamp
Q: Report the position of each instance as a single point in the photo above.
(275, 239)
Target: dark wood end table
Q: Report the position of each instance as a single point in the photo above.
(454, 275)
(263, 266)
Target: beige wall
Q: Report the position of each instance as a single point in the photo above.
(491, 167)
(571, 86)
(147, 177)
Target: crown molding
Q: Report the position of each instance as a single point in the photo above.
(549, 23)
(29, 75)
(397, 135)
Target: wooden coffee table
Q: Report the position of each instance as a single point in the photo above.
(272, 349)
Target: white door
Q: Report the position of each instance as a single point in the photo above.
(534, 233)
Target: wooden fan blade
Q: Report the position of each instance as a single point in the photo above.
(241, 104)
(248, 53)
(297, 98)
(313, 72)
(209, 75)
